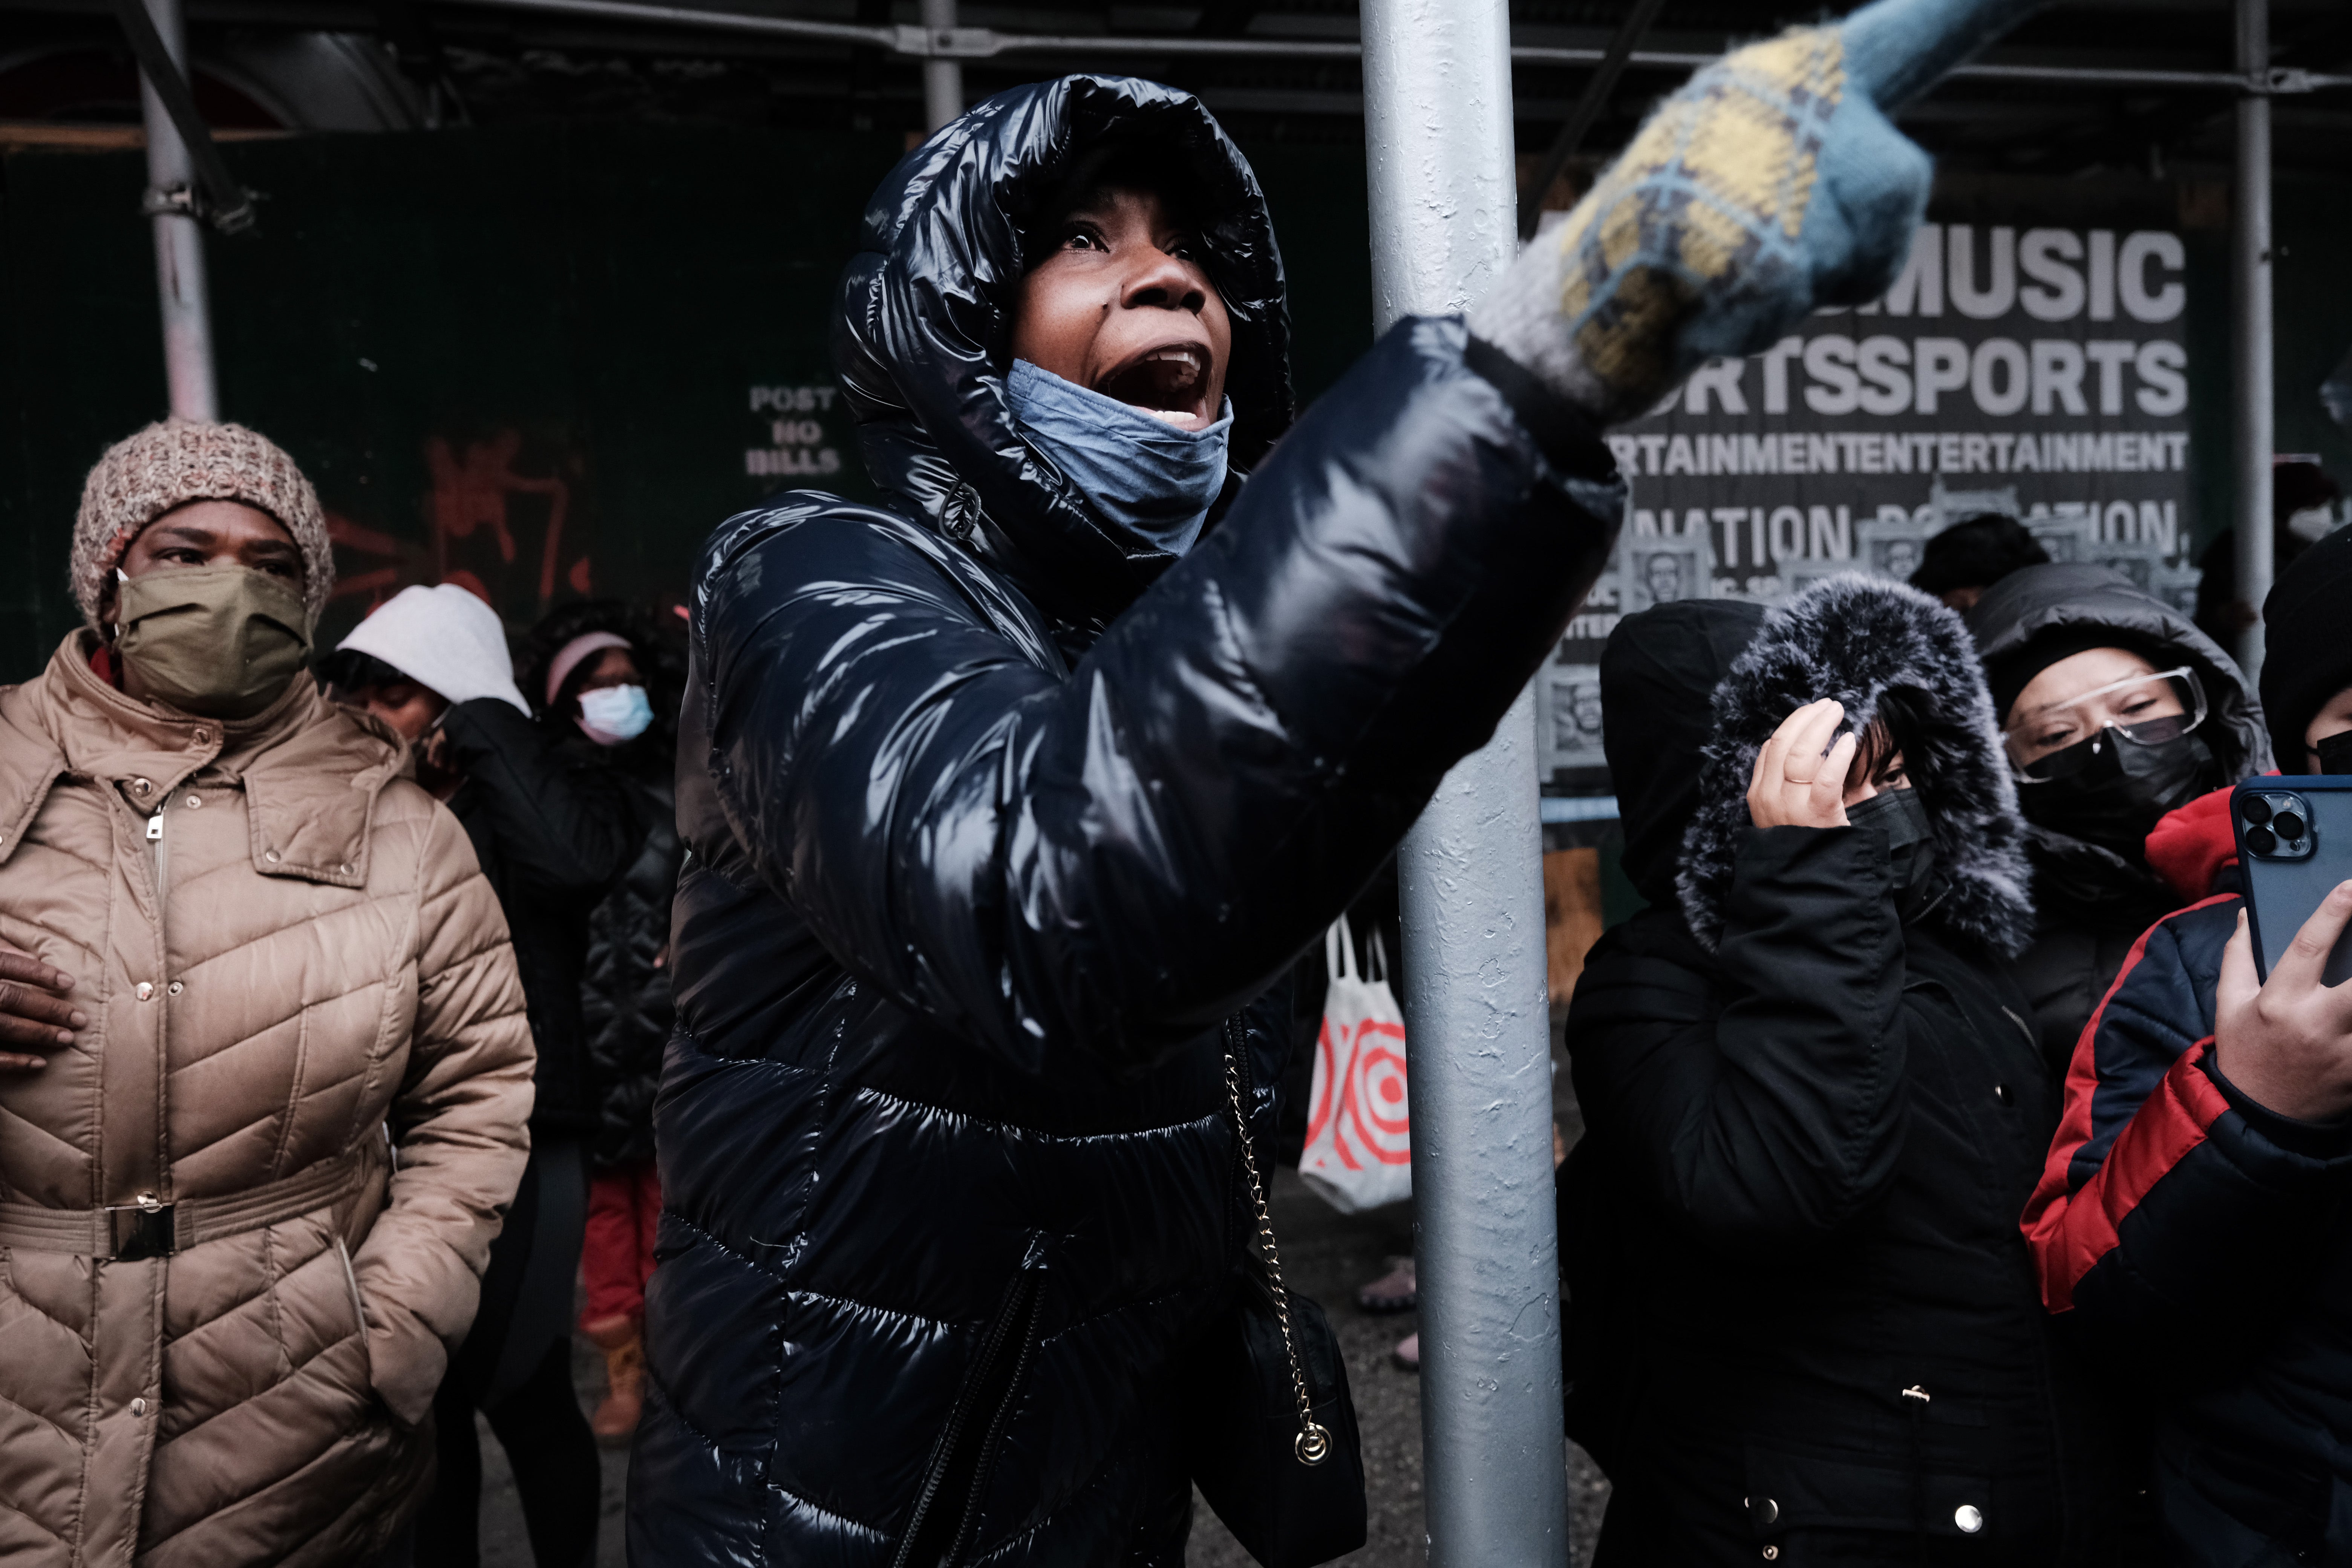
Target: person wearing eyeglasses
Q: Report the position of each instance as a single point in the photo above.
(2192, 1222)
(2115, 711)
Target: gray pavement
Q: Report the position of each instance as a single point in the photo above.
(504, 1545)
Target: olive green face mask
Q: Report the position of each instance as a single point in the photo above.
(218, 640)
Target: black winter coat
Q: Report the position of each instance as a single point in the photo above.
(2091, 904)
(553, 830)
(2202, 1244)
(625, 1000)
(993, 814)
(1804, 1325)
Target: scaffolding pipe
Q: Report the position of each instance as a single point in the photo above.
(1444, 209)
(1589, 104)
(927, 42)
(942, 73)
(2254, 419)
(179, 239)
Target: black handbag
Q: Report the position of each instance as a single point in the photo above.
(1269, 1431)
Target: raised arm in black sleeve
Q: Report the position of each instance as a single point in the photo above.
(1115, 854)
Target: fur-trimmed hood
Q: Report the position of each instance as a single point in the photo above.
(1854, 639)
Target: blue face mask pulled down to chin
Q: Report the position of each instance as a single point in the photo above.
(1142, 473)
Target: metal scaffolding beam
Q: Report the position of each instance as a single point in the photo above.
(1589, 104)
(1444, 203)
(180, 282)
(929, 42)
(942, 73)
(2252, 417)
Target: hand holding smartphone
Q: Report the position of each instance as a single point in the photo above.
(2294, 845)
(2283, 1018)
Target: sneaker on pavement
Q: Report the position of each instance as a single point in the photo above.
(1398, 1291)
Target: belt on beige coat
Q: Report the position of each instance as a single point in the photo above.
(151, 1228)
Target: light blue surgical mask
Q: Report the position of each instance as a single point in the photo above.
(613, 715)
(1142, 473)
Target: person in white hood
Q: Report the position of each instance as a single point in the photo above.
(422, 652)
(553, 830)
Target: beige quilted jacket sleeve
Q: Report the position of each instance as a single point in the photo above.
(459, 1125)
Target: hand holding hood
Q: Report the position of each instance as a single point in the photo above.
(1857, 638)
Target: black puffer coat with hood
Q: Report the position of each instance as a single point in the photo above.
(554, 831)
(1001, 825)
(624, 999)
(2092, 902)
(625, 1012)
(1805, 1326)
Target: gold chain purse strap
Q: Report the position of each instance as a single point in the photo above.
(1313, 1445)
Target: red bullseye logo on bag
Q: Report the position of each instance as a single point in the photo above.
(1358, 1152)
(1367, 1124)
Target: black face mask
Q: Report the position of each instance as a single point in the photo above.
(2115, 799)
(1910, 847)
(2335, 752)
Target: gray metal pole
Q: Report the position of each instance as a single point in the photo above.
(942, 79)
(1437, 123)
(2253, 425)
(179, 243)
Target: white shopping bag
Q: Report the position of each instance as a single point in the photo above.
(1359, 1152)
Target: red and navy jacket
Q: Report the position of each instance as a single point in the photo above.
(2202, 1245)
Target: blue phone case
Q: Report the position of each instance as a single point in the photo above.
(2286, 879)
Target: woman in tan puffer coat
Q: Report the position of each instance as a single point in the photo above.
(248, 1182)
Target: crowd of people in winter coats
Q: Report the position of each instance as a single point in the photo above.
(336, 990)
(1952, 1188)
(1914, 1148)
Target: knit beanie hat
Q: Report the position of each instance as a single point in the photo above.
(2306, 657)
(177, 461)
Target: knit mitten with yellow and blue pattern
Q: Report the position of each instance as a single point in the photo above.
(1771, 184)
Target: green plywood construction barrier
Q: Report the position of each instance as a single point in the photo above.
(549, 359)
(545, 360)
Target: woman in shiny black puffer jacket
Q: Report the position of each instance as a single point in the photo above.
(1000, 827)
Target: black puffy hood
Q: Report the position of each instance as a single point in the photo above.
(2074, 605)
(1855, 638)
(2306, 658)
(1658, 676)
(921, 336)
(2069, 599)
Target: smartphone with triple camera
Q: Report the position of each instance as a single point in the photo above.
(2294, 845)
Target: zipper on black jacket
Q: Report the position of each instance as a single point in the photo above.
(959, 1463)
(1026, 1291)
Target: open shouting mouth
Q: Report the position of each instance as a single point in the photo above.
(1170, 382)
